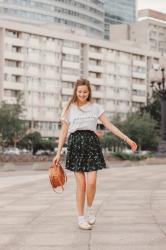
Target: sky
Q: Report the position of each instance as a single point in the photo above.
(159, 5)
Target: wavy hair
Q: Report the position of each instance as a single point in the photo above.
(73, 99)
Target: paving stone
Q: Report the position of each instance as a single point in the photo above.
(130, 206)
(26, 207)
(126, 228)
(127, 238)
(72, 247)
(15, 220)
(128, 247)
(6, 238)
(125, 219)
(59, 239)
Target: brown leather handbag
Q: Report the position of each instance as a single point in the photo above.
(57, 176)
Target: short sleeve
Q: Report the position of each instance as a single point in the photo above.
(100, 110)
(65, 116)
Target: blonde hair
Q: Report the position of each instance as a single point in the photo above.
(73, 99)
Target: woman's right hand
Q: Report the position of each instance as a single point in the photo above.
(132, 144)
(56, 159)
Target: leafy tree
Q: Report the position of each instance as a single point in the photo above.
(110, 141)
(31, 141)
(154, 109)
(34, 142)
(142, 129)
(12, 127)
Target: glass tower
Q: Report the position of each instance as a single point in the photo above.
(83, 14)
(118, 11)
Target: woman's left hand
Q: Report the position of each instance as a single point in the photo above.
(132, 144)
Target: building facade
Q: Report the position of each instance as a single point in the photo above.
(150, 31)
(118, 11)
(151, 14)
(44, 63)
(85, 15)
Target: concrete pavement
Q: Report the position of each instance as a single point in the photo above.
(130, 205)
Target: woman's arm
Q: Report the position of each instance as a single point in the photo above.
(62, 138)
(117, 132)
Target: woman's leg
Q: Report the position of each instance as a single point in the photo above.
(91, 187)
(80, 192)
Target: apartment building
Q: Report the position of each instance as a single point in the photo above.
(117, 12)
(150, 31)
(118, 77)
(43, 64)
(92, 16)
(77, 14)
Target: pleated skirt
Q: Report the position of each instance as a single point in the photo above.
(84, 152)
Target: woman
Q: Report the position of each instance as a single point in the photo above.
(84, 153)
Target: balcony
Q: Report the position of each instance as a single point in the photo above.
(49, 133)
(96, 81)
(110, 107)
(123, 96)
(14, 56)
(95, 55)
(96, 68)
(15, 41)
(34, 43)
(50, 74)
(32, 71)
(139, 63)
(139, 86)
(98, 94)
(110, 95)
(73, 65)
(14, 70)
(10, 100)
(67, 91)
(67, 77)
(110, 57)
(139, 75)
(141, 99)
(52, 47)
(13, 85)
(33, 58)
(71, 51)
(123, 108)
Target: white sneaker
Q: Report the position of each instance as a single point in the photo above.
(84, 225)
(91, 219)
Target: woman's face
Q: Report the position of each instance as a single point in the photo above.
(82, 93)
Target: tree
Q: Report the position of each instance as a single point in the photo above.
(142, 129)
(139, 127)
(154, 109)
(31, 141)
(34, 142)
(110, 141)
(12, 127)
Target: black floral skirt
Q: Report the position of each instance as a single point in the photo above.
(84, 152)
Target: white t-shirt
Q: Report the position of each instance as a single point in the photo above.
(83, 118)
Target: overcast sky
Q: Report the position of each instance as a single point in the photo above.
(159, 5)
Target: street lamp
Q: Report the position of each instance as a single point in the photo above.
(157, 76)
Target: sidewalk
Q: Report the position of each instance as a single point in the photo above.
(130, 205)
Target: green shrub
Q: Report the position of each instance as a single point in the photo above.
(132, 157)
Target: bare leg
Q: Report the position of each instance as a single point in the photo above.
(91, 187)
(80, 192)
